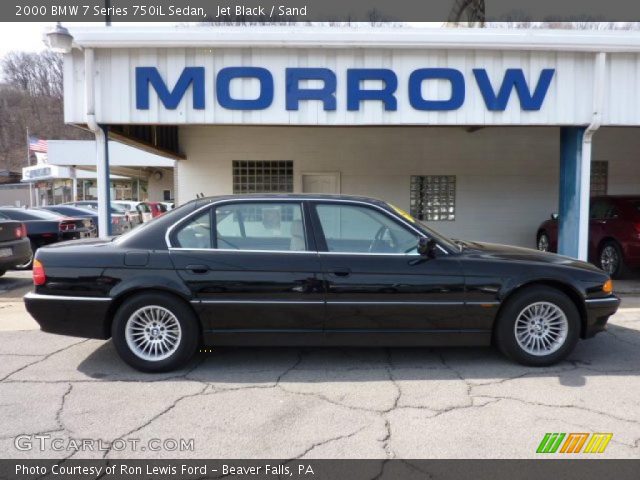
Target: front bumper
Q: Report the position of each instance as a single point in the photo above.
(598, 312)
(86, 317)
(20, 253)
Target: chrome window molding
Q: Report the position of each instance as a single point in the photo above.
(169, 231)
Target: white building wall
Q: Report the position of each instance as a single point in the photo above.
(507, 178)
(621, 148)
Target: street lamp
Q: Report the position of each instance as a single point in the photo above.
(59, 39)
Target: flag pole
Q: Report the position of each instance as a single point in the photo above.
(28, 165)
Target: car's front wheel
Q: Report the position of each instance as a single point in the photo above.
(538, 326)
(543, 242)
(155, 333)
(611, 260)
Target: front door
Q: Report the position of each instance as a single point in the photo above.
(376, 280)
(251, 268)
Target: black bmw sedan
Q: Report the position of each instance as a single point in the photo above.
(312, 270)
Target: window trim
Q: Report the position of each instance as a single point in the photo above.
(170, 240)
(309, 227)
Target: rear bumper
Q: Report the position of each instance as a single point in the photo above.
(85, 317)
(598, 312)
(21, 253)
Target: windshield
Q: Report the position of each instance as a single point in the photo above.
(429, 232)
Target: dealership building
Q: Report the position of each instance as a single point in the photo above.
(481, 133)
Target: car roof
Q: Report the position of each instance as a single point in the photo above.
(291, 196)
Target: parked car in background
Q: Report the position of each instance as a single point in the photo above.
(151, 210)
(119, 224)
(131, 206)
(130, 220)
(614, 234)
(323, 270)
(15, 249)
(169, 205)
(44, 228)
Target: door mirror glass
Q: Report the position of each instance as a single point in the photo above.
(427, 247)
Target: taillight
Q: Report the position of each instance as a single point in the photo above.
(66, 226)
(21, 231)
(39, 277)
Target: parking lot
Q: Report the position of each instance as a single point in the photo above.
(310, 402)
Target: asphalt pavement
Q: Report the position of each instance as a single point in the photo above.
(56, 392)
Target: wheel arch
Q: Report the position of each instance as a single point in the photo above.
(126, 295)
(566, 288)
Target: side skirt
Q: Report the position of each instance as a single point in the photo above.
(347, 338)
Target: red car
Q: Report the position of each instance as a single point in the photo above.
(614, 234)
(150, 210)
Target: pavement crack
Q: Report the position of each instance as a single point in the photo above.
(42, 359)
(327, 441)
(157, 416)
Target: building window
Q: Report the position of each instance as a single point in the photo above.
(599, 178)
(433, 197)
(262, 176)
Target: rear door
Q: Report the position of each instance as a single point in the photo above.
(252, 267)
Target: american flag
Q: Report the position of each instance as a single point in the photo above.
(37, 145)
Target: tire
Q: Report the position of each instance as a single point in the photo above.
(611, 260)
(29, 264)
(562, 333)
(174, 346)
(542, 242)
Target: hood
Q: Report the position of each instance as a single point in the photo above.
(508, 252)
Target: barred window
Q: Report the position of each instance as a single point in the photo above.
(433, 197)
(262, 176)
(599, 178)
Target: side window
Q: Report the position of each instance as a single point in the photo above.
(355, 229)
(260, 226)
(196, 233)
(600, 209)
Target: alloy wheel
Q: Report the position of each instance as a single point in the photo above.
(609, 259)
(541, 328)
(543, 243)
(153, 333)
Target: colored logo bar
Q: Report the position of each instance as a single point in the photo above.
(574, 443)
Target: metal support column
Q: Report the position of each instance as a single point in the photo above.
(575, 174)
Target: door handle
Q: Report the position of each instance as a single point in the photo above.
(341, 271)
(197, 268)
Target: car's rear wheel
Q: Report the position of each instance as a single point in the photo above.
(155, 333)
(611, 260)
(538, 326)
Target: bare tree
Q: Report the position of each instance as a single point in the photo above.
(31, 98)
(38, 74)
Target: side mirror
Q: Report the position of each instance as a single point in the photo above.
(427, 247)
(554, 216)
